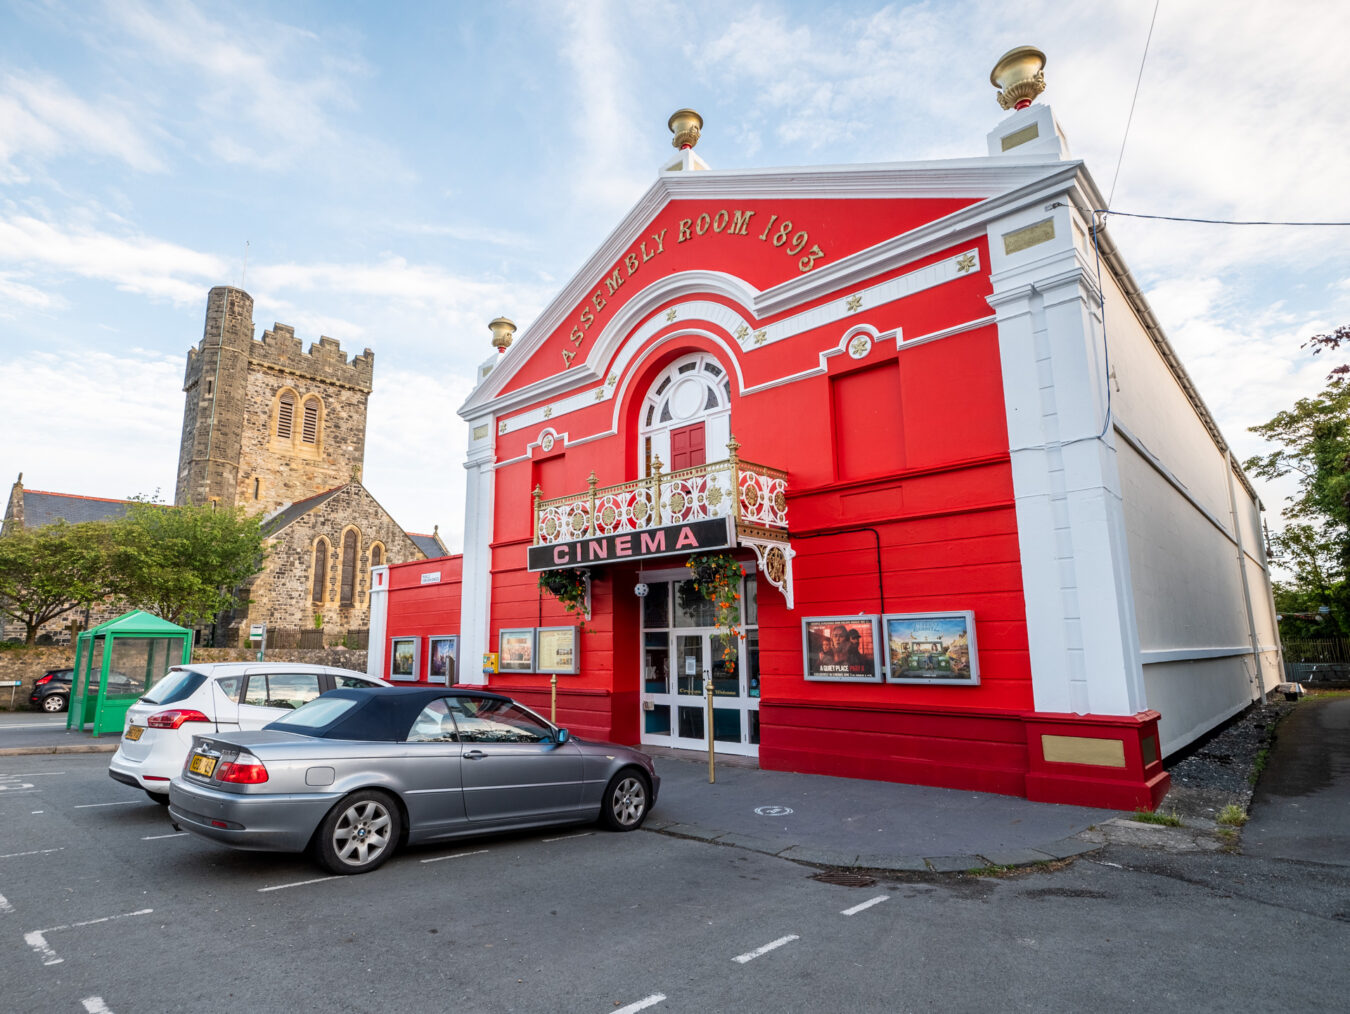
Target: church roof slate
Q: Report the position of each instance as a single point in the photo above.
(41, 508)
(299, 509)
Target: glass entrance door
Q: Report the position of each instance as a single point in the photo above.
(680, 650)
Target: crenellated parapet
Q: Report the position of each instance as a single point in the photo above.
(280, 351)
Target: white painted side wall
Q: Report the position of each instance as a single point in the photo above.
(1202, 601)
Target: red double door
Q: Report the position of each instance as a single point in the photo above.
(687, 447)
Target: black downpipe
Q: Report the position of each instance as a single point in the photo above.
(876, 537)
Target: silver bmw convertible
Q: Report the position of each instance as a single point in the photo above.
(355, 774)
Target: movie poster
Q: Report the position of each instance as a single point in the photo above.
(557, 650)
(931, 648)
(403, 658)
(841, 648)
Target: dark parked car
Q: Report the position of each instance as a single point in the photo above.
(51, 690)
(355, 774)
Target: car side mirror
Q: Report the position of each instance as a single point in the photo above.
(563, 736)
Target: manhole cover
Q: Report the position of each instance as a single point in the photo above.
(773, 811)
(845, 879)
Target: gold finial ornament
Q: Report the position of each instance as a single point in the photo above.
(686, 125)
(1020, 77)
(503, 330)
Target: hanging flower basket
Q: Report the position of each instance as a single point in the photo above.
(571, 587)
(717, 578)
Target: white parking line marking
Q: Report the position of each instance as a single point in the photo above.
(865, 905)
(38, 938)
(38, 852)
(120, 802)
(457, 855)
(39, 811)
(34, 774)
(650, 1001)
(5, 906)
(568, 837)
(298, 883)
(157, 837)
(758, 951)
(95, 1005)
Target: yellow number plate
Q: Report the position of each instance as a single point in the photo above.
(202, 765)
(134, 732)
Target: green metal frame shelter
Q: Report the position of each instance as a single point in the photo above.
(116, 662)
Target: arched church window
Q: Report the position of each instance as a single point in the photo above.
(320, 570)
(377, 555)
(309, 428)
(285, 415)
(348, 566)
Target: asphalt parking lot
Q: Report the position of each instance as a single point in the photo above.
(106, 909)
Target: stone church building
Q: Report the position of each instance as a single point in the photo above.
(280, 431)
(272, 427)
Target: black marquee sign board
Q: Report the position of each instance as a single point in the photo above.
(670, 540)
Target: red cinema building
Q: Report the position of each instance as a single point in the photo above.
(991, 537)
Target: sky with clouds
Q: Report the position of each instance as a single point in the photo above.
(402, 173)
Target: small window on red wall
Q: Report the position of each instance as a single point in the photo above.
(866, 410)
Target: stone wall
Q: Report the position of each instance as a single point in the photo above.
(28, 664)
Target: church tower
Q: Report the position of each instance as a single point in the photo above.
(267, 423)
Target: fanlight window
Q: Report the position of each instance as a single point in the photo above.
(690, 389)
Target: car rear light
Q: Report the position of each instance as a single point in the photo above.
(175, 717)
(154, 778)
(243, 770)
(45, 679)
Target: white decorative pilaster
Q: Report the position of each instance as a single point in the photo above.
(378, 636)
(476, 591)
(1081, 628)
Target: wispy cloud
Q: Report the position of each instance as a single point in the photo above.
(41, 118)
(131, 261)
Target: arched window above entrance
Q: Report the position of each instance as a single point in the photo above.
(685, 418)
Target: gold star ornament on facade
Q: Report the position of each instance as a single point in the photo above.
(965, 262)
(670, 314)
(853, 303)
(741, 332)
(761, 337)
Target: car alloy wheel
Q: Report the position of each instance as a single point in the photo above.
(626, 801)
(358, 834)
(53, 703)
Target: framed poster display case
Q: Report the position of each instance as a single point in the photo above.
(931, 648)
(841, 649)
(442, 659)
(515, 650)
(557, 650)
(403, 658)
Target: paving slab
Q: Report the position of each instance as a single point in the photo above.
(1018, 857)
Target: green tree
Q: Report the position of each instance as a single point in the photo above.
(185, 564)
(1312, 445)
(46, 572)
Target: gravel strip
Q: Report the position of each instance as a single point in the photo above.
(1219, 770)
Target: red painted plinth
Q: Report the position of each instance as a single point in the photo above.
(1138, 783)
(978, 751)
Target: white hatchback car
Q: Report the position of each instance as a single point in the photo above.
(213, 697)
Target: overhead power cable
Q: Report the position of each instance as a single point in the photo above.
(1130, 119)
(1208, 221)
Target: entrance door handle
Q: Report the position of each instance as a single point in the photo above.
(475, 755)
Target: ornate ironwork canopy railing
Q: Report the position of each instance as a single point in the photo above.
(753, 496)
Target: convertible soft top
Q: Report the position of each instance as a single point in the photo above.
(381, 713)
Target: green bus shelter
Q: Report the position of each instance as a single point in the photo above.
(116, 662)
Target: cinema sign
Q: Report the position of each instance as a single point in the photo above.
(669, 540)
